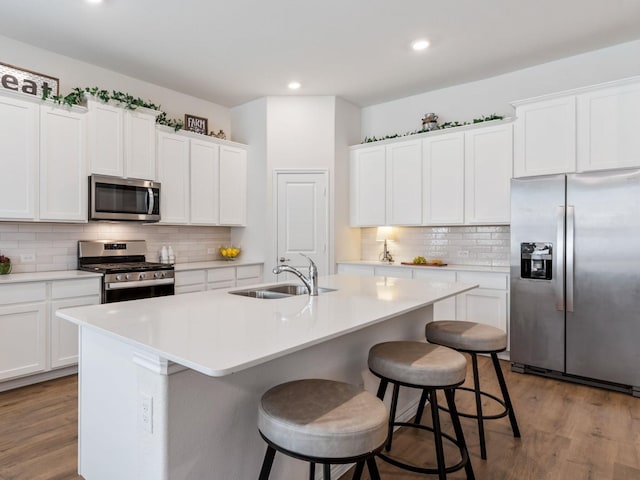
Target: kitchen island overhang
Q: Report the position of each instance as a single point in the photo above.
(169, 386)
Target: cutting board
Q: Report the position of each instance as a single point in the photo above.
(424, 264)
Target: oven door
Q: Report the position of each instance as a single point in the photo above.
(153, 289)
(114, 198)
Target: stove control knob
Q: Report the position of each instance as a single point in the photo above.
(162, 274)
(141, 277)
(127, 276)
(118, 278)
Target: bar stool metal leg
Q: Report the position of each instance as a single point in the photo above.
(373, 469)
(476, 384)
(327, 471)
(312, 471)
(457, 427)
(357, 473)
(505, 395)
(421, 404)
(437, 437)
(267, 463)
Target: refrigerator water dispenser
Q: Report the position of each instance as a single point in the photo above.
(536, 260)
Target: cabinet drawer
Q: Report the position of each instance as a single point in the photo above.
(364, 270)
(193, 277)
(22, 292)
(75, 288)
(221, 284)
(249, 271)
(220, 274)
(496, 281)
(393, 272)
(435, 275)
(189, 289)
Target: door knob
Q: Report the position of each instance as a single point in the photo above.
(282, 259)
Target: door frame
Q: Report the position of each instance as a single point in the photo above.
(274, 226)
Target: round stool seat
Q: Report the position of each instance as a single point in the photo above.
(416, 363)
(323, 419)
(468, 336)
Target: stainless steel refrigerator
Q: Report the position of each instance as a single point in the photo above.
(575, 277)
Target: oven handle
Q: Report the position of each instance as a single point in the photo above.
(138, 284)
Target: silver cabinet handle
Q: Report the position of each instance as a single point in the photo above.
(559, 283)
(570, 252)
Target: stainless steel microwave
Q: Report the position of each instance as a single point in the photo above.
(123, 199)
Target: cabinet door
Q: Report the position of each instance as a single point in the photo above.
(18, 158)
(105, 145)
(545, 137)
(488, 167)
(64, 334)
(140, 144)
(233, 186)
(173, 174)
(22, 343)
(483, 306)
(205, 174)
(443, 179)
(368, 187)
(404, 183)
(608, 126)
(63, 172)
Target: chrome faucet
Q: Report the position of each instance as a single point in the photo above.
(311, 282)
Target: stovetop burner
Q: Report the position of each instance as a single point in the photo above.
(126, 267)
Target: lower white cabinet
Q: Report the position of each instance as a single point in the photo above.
(217, 278)
(32, 339)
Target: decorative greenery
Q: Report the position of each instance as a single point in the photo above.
(488, 118)
(77, 96)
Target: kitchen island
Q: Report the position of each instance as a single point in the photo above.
(169, 386)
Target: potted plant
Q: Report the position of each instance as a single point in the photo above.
(5, 265)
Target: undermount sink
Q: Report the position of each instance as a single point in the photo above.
(278, 291)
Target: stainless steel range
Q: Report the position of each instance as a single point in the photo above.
(127, 274)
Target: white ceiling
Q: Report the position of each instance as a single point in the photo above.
(235, 51)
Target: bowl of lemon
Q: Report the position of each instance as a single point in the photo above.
(229, 253)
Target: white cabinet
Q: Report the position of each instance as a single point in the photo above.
(368, 186)
(404, 183)
(122, 142)
(63, 173)
(443, 179)
(18, 158)
(545, 137)
(173, 174)
(204, 183)
(608, 128)
(488, 167)
(23, 342)
(217, 278)
(233, 185)
(486, 304)
(63, 335)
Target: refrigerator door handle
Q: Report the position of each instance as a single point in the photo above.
(559, 283)
(570, 252)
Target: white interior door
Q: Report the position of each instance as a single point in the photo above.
(302, 220)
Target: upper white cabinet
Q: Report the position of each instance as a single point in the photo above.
(63, 172)
(453, 177)
(488, 168)
(233, 185)
(122, 142)
(608, 128)
(368, 186)
(592, 128)
(173, 174)
(545, 137)
(205, 179)
(443, 179)
(386, 184)
(18, 158)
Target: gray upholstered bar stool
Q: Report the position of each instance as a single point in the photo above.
(474, 338)
(429, 368)
(325, 422)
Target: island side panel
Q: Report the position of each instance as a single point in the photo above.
(212, 430)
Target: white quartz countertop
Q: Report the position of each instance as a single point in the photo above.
(455, 267)
(217, 333)
(183, 267)
(46, 276)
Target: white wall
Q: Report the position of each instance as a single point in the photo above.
(74, 73)
(493, 95)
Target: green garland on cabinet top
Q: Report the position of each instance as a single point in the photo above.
(77, 95)
(488, 118)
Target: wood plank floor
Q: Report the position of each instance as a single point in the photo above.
(569, 432)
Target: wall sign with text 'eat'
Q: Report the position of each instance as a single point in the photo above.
(24, 81)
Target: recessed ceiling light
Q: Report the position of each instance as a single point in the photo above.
(294, 85)
(419, 45)
(93, 1)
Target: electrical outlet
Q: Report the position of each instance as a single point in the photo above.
(27, 257)
(146, 412)
(463, 253)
